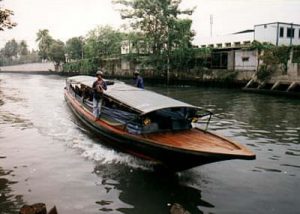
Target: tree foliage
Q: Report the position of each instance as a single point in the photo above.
(17, 53)
(273, 57)
(44, 42)
(23, 48)
(163, 30)
(103, 41)
(5, 21)
(182, 52)
(296, 54)
(74, 48)
(57, 52)
(11, 49)
(260, 46)
(83, 66)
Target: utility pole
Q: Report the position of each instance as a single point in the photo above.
(211, 18)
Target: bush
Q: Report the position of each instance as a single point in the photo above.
(296, 54)
(263, 73)
(84, 66)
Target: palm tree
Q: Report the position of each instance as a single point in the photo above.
(44, 42)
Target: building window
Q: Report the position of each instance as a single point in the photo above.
(299, 33)
(245, 59)
(281, 33)
(265, 26)
(290, 32)
(219, 45)
(228, 44)
(237, 44)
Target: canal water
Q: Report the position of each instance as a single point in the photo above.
(47, 156)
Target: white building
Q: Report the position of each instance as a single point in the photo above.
(277, 33)
(139, 47)
(245, 60)
(238, 39)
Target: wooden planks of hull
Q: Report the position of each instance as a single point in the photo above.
(201, 141)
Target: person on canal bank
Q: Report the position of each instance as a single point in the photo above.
(98, 87)
(138, 80)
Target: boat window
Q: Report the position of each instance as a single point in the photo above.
(169, 119)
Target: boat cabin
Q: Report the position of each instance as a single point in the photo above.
(136, 110)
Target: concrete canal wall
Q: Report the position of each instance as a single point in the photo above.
(279, 83)
(43, 68)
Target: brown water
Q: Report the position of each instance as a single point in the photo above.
(47, 156)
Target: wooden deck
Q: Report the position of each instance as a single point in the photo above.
(200, 141)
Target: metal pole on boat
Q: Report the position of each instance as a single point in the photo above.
(208, 121)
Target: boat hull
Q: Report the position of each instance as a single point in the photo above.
(174, 158)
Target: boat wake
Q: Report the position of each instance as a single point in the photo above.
(92, 149)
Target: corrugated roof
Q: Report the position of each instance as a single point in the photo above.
(142, 100)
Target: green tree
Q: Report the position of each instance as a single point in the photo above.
(22, 49)
(103, 42)
(260, 48)
(271, 57)
(11, 49)
(15, 53)
(5, 21)
(276, 55)
(182, 50)
(296, 54)
(57, 52)
(44, 42)
(158, 20)
(74, 48)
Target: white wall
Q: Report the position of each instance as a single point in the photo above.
(125, 47)
(286, 40)
(229, 38)
(269, 33)
(262, 33)
(266, 33)
(250, 64)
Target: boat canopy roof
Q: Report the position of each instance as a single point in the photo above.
(141, 100)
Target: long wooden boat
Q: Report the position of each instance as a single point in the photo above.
(150, 125)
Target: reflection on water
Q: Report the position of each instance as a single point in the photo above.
(9, 203)
(14, 120)
(143, 188)
(50, 157)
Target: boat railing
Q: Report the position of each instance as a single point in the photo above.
(202, 115)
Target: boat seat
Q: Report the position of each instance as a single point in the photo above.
(110, 121)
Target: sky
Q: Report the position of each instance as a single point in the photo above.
(69, 18)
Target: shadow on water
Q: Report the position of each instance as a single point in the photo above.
(147, 191)
(9, 203)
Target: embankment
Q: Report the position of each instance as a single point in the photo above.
(32, 68)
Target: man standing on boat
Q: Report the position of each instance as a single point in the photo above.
(98, 87)
(138, 80)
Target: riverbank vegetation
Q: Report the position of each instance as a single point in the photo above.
(273, 59)
(157, 41)
(14, 53)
